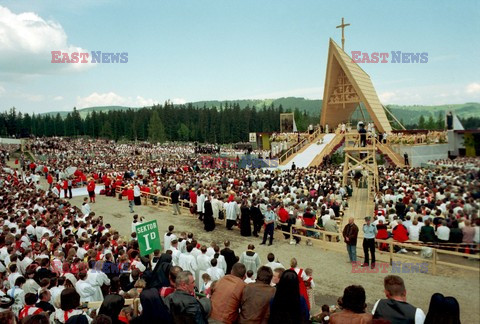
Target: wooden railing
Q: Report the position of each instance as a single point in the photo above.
(134, 302)
(162, 201)
(327, 150)
(332, 238)
(395, 157)
(297, 147)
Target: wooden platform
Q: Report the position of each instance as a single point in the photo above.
(359, 207)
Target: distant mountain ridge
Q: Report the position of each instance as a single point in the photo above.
(407, 114)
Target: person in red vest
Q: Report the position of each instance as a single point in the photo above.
(65, 188)
(302, 277)
(32, 166)
(130, 197)
(49, 181)
(45, 171)
(91, 190)
(29, 309)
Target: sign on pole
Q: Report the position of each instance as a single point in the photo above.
(148, 237)
(252, 137)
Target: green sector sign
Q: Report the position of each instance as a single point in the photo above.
(148, 237)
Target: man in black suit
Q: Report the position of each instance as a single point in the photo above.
(229, 256)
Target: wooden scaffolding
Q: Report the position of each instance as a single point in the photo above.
(361, 160)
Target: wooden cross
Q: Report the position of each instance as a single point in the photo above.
(343, 35)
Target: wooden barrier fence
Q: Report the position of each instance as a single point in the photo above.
(163, 201)
(328, 237)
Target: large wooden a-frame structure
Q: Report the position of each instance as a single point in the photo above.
(346, 87)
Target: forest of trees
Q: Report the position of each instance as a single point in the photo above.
(225, 124)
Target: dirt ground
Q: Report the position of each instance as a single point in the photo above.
(331, 271)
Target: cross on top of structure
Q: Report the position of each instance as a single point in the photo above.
(343, 35)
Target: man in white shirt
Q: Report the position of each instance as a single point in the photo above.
(96, 278)
(215, 272)
(85, 290)
(443, 232)
(25, 262)
(31, 228)
(408, 222)
(414, 231)
(168, 238)
(81, 250)
(203, 263)
(175, 252)
(39, 230)
(14, 274)
(200, 204)
(272, 263)
(86, 209)
(187, 261)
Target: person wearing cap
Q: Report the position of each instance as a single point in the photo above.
(269, 225)
(369, 233)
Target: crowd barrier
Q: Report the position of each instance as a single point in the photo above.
(333, 239)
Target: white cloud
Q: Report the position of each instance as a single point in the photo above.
(112, 99)
(2, 90)
(26, 42)
(178, 101)
(58, 98)
(386, 96)
(473, 88)
(438, 94)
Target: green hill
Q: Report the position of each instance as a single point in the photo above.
(409, 114)
(84, 112)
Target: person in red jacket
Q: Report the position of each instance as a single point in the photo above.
(91, 190)
(49, 181)
(309, 222)
(400, 234)
(283, 217)
(65, 188)
(45, 171)
(130, 197)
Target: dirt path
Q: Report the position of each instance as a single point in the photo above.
(331, 271)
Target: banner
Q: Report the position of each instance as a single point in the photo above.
(253, 137)
(148, 237)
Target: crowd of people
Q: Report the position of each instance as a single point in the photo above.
(429, 205)
(55, 256)
(431, 137)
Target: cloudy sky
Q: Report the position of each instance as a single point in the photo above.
(194, 50)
